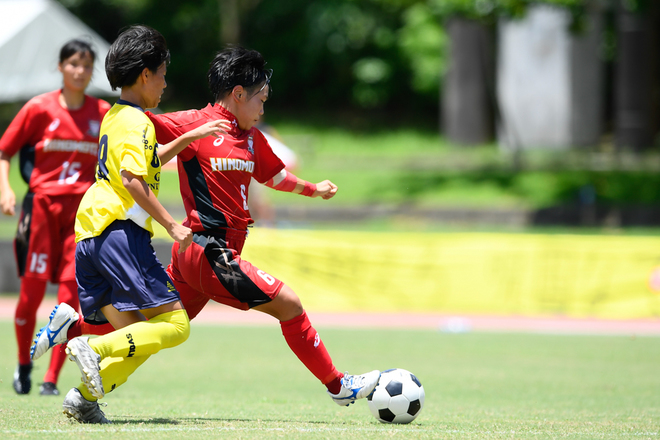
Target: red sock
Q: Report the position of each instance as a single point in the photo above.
(80, 328)
(334, 386)
(57, 359)
(67, 293)
(306, 343)
(75, 329)
(25, 317)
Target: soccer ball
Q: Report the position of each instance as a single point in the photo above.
(398, 397)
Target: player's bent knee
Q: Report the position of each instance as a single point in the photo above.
(184, 327)
(285, 306)
(289, 304)
(179, 330)
(183, 335)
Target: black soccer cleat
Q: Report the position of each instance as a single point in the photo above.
(49, 389)
(22, 381)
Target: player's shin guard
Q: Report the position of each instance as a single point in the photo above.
(115, 371)
(306, 343)
(144, 338)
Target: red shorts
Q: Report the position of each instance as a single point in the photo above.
(212, 268)
(45, 240)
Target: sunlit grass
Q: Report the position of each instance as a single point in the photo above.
(243, 382)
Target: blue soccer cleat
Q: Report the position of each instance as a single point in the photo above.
(61, 318)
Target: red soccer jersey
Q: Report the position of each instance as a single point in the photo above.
(58, 147)
(215, 172)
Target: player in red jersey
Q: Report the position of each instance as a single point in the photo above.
(56, 135)
(214, 177)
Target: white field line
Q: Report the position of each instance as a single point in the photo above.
(387, 430)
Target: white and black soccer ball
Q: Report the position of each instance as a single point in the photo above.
(398, 397)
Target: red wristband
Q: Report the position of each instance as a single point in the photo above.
(309, 190)
(288, 184)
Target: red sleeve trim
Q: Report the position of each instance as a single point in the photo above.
(287, 184)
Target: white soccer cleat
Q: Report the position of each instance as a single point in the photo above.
(75, 406)
(88, 361)
(61, 318)
(355, 387)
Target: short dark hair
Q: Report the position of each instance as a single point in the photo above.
(136, 48)
(237, 66)
(75, 46)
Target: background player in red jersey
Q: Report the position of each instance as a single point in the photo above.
(56, 135)
(214, 177)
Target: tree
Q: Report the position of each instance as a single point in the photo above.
(379, 55)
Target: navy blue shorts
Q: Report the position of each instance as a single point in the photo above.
(120, 267)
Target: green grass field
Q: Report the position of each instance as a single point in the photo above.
(244, 383)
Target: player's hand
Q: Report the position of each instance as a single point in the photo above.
(182, 235)
(8, 202)
(213, 127)
(326, 190)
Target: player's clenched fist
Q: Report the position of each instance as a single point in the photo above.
(326, 190)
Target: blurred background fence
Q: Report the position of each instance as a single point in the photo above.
(472, 273)
(534, 275)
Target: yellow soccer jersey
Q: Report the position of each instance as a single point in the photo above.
(127, 141)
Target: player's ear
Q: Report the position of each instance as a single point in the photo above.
(238, 93)
(144, 75)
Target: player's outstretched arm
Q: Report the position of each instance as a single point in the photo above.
(143, 196)
(7, 196)
(287, 182)
(168, 151)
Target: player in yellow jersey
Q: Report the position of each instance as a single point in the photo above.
(120, 280)
(127, 144)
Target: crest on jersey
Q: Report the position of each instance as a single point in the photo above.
(94, 128)
(250, 145)
(53, 125)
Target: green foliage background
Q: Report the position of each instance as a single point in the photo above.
(384, 56)
(338, 54)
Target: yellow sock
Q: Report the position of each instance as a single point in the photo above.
(144, 338)
(85, 393)
(114, 372)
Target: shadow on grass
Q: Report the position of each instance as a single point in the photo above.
(259, 420)
(156, 421)
(203, 420)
